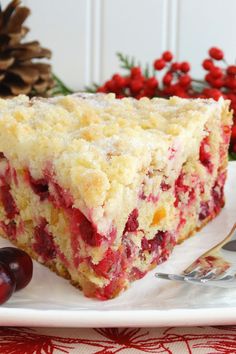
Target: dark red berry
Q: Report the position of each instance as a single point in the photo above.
(217, 83)
(7, 283)
(159, 64)
(231, 70)
(167, 79)
(216, 53)
(185, 67)
(136, 85)
(184, 80)
(111, 86)
(207, 64)
(119, 80)
(167, 56)
(102, 89)
(175, 66)
(209, 78)
(136, 72)
(230, 82)
(19, 263)
(216, 72)
(152, 82)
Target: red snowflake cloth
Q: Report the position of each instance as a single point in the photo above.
(201, 340)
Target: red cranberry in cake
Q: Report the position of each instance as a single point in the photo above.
(205, 154)
(132, 222)
(100, 190)
(44, 244)
(8, 202)
(39, 186)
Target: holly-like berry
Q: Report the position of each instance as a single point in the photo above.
(216, 72)
(212, 93)
(217, 83)
(168, 77)
(19, 264)
(167, 56)
(216, 53)
(184, 80)
(136, 85)
(185, 67)
(151, 83)
(135, 72)
(231, 83)
(7, 283)
(231, 70)
(119, 81)
(159, 64)
(207, 64)
(175, 66)
(102, 89)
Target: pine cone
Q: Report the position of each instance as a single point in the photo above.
(20, 73)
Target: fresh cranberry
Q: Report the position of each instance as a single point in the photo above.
(20, 264)
(7, 283)
(44, 244)
(132, 222)
(8, 202)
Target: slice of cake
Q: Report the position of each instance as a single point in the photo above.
(100, 190)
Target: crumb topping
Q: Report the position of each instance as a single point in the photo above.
(98, 145)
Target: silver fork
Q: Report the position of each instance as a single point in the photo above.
(215, 267)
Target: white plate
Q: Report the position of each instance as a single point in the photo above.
(51, 301)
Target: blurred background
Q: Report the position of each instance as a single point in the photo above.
(84, 35)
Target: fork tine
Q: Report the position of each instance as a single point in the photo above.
(167, 276)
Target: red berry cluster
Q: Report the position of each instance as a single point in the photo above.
(177, 81)
(135, 85)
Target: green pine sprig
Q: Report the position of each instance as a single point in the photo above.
(125, 61)
(92, 89)
(60, 88)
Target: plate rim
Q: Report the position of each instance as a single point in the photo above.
(118, 318)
